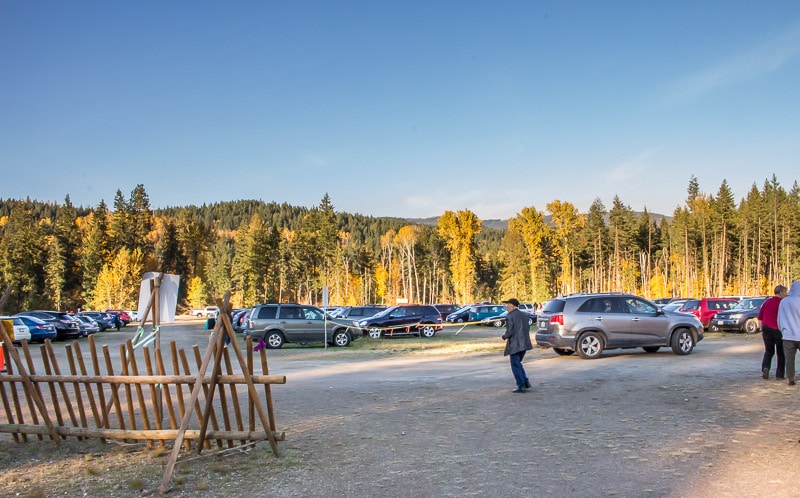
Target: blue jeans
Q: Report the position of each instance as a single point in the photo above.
(517, 369)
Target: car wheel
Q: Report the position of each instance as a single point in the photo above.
(682, 342)
(460, 320)
(751, 326)
(341, 338)
(427, 330)
(530, 321)
(274, 340)
(564, 352)
(651, 349)
(497, 323)
(590, 345)
(375, 333)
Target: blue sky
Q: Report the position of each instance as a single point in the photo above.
(396, 108)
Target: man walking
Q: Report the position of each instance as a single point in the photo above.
(771, 334)
(518, 341)
(789, 325)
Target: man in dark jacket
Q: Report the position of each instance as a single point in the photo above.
(518, 341)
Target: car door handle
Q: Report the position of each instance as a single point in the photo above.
(635, 319)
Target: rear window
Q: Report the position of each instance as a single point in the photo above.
(554, 306)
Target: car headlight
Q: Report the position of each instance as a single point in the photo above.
(736, 316)
(362, 323)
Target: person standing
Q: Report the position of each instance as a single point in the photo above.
(771, 334)
(789, 325)
(518, 341)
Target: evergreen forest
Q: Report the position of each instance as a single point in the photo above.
(59, 256)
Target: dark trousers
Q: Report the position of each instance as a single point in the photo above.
(790, 350)
(517, 369)
(773, 344)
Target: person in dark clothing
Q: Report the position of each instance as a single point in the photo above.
(117, 321)
(773, 339)
(518, 341)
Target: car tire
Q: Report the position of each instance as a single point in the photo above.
(375, 333)
(341, 338)
(590, 345)
(460, 320)
(751, 326)
(563, 352)
(274, 340)
(530, 321)
(497, 323)
(682, 342)
(427, 330)
(651, 349)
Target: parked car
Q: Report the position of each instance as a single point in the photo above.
(352, 313)
(742, 318)
(406, 319)
(461, 315)
(707, 307)
(15, 328)
(239, 320)
(123, 315)
(278, 324)
(104, 320)
(592, 323)
(446, 309)
(87, 324)
(67, 327)
(500, 320)
(39, 329)
(481, 311)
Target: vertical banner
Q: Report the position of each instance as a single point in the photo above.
(167, 297)
(325, 296)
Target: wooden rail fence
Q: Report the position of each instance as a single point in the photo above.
(143, 397)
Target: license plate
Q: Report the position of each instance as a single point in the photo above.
(543, 325)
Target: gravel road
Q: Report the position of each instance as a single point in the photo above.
(432, 423)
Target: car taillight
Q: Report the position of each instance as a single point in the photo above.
(559, 319)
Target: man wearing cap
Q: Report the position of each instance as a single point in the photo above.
(518, 341)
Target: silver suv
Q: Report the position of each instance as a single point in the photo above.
(591, 323)
(278, 324)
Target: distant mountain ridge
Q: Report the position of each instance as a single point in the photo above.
(503, 224)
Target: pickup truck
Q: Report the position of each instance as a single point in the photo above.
(205, 312)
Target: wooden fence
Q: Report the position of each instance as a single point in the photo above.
(143, 397)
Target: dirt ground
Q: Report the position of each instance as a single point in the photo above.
(439, 419)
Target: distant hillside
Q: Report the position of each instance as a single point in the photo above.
(503, 224)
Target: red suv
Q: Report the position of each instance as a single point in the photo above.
(705, 309)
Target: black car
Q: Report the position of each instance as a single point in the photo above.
(407, 319)
(67, 327)
(459, 316)
(742, 318)
(446, 309)
(353, 313)
(104, 320)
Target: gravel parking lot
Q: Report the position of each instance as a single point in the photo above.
(426, 421)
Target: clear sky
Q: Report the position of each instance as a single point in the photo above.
(398, 108)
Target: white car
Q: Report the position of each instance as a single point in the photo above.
(15, 329)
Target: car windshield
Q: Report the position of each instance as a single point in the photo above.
(750, 304)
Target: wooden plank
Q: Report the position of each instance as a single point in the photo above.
(134, 370)
(114, 392)
(139, 434)
(155, 392)
(32, 370)
(128, 391)
(214, 422)
(76, 387)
